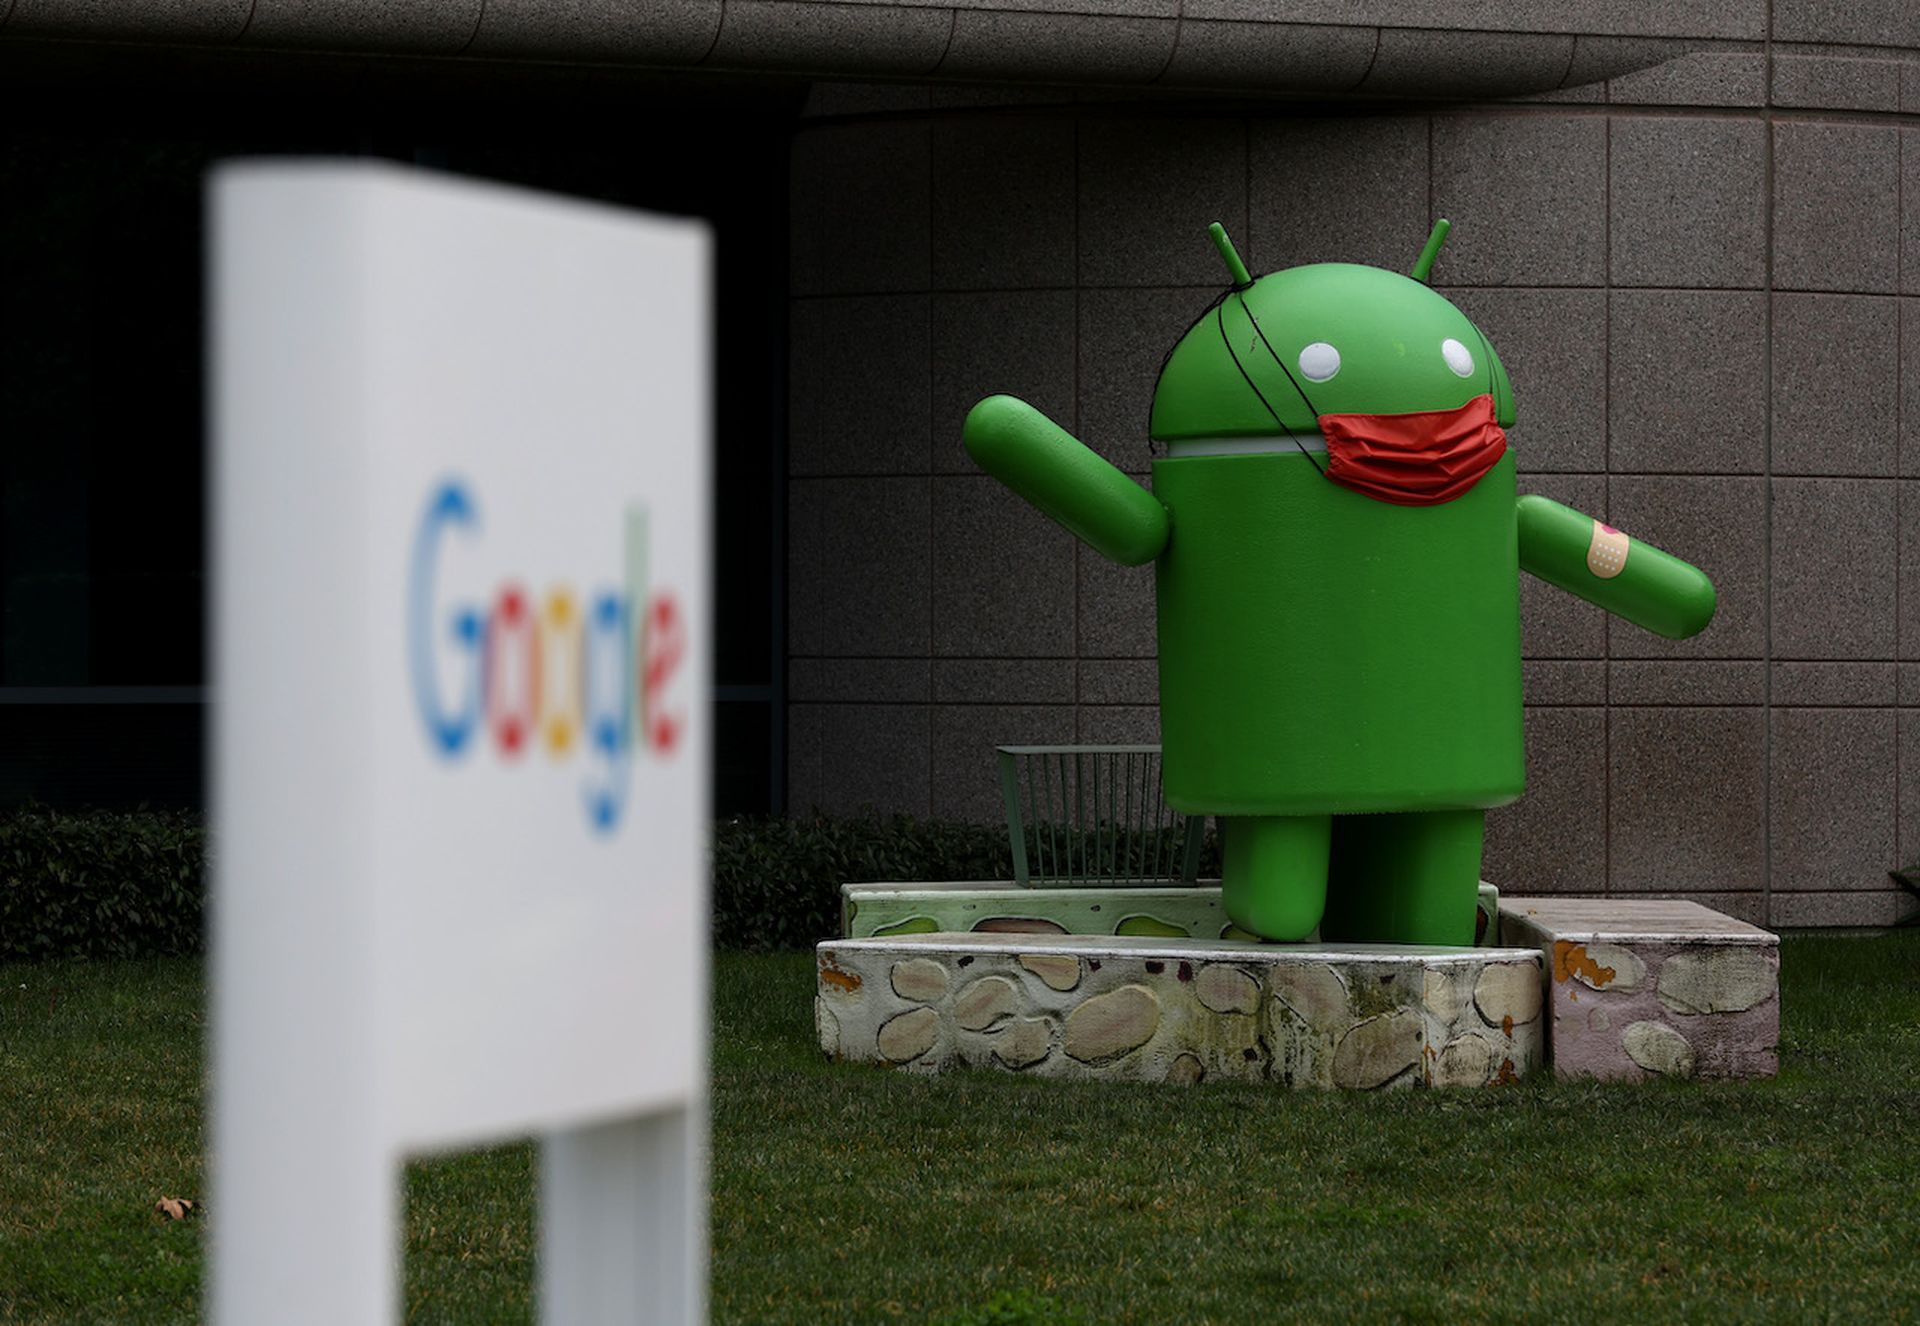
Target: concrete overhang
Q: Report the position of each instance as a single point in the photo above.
(1372, 49)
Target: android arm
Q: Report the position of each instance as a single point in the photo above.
(1598, 563)
(1055, 471)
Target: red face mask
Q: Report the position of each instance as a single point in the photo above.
(1420, 459)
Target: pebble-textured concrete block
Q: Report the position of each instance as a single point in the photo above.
(860, 219)
(1861, 22)
(1718, 524)
(1171, 1010)
(1148, 189)
(1554, 839)
(1836, 385)
(1688, 202)
(1124, 335)
(1000, 343)
(1907, 501)
(1527, 198)
(966, 776)
(1833, 82)
(1692, 681)
(1686, 799)
(1836, 214)
(1563, 681)
(1118, 725)
(1833, 798)
(1834, 553)
(846, 759)
(1350, 189)
(1116, 609)
(1002, 187)
(1910, 382)
(1003, 680)
(1645, 987)
(802, 36)
(1003, 574)
(858, 567)
(990, 44)
(1295, 56)
(1833, 685)
(1135, 680)
(862, 405)
(859, 680)
(1555, 342)
(1687, 371)
(1910, 209)
(1884, 906)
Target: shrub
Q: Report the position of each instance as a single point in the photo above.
(776, 882)
(123, 884)
(100, 884)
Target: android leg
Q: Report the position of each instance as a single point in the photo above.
(1410, 878)
(1274, 873)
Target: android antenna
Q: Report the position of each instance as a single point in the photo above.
(1235, 268)
(1425, 262)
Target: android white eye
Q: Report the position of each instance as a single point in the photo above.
(1458, 357)
(1319, 361)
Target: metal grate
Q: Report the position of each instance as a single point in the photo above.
(1094, 815)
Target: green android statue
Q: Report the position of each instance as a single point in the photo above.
(1337, 543)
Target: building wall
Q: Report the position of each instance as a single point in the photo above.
(1704, 279)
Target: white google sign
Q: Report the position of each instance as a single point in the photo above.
(462, 747)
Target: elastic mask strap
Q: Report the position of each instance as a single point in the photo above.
(1220, 321)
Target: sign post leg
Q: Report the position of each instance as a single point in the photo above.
(623, 1221)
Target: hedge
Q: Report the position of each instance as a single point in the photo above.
(121, 884)
(100, 884)
(776, 882)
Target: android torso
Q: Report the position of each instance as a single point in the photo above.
(1321, 651)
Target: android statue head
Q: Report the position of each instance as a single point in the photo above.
(1308, 354)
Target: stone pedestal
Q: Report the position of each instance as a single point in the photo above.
(1176, 911)
(1183, 1010)
(1645, 987)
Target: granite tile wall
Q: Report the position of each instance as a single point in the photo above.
(1704, 278)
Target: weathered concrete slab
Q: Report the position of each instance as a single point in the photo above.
(1645, 987)
(1183, 1010)
(1184, 911)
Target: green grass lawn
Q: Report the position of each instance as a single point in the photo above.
(855, 1194)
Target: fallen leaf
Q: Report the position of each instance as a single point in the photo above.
(174, 1208)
